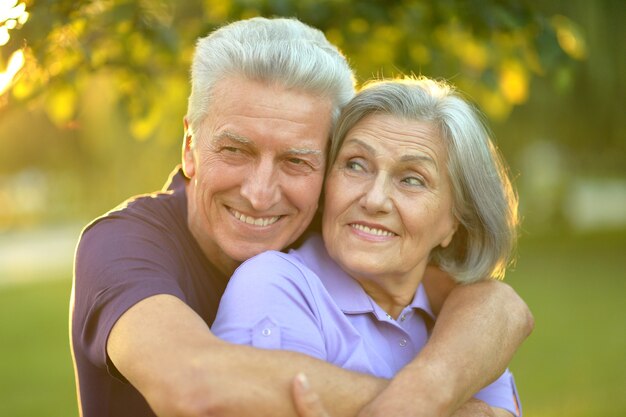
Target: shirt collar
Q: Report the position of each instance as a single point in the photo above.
(420, 302)
(349, 296)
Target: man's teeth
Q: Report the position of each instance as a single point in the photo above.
(260, 221)
(371, 231)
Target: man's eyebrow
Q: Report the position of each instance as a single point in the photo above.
(227, 135)
(304, 151)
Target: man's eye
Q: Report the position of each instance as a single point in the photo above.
(231, 149)
(299, 165)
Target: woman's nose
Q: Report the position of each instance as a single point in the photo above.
(376, 197)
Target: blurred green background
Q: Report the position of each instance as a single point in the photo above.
(92, 96)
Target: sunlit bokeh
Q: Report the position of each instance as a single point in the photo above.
(514, 80)
(12, 15)
(570, 37)
(16, 62)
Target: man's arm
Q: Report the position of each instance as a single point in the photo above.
(168, 353)
(478, 330)
(309, 404)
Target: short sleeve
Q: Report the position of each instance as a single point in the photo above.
(118, 263)
(502, 393)
(270, 303)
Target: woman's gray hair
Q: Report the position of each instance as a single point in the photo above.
(280, 50)
(485, 203)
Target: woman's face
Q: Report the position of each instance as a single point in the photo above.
(388, 200)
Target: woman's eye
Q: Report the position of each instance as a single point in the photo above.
(354, 165)
(413, 181)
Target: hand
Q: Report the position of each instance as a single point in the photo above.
(308, 403)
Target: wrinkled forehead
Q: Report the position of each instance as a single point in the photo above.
(245, 111)
(403, 137)
(380, 125)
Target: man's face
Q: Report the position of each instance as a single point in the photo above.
(256, 170)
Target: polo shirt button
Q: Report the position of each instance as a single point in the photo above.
(402, 318)
(266, 332)
(403, 342)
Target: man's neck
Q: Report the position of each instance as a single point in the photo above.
(222, 262)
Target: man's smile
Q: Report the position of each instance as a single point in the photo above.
(256, 221)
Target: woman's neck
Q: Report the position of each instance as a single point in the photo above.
(391, 296)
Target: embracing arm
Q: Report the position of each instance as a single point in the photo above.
(168, 353)
(478, 330)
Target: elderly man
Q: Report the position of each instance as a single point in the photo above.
(149, 274)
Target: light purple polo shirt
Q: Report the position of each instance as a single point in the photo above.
(302, 301)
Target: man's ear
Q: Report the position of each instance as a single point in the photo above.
(189, 163)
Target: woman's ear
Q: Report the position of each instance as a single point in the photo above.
(448, 238)
(189, 164)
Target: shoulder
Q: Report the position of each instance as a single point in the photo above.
(274, 266)
(271, 275)
(273, 259)
(160, 213)
(272, 302)
(145, 227)
(160, 209)
(148, 210)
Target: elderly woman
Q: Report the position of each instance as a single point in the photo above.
(412, 180)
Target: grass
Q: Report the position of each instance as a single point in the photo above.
(36, 367)
(572, 365)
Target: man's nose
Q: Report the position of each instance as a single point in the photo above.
(261, 187)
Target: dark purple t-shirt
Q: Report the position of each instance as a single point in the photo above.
(140, 249)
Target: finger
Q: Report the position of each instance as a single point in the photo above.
(308, 403)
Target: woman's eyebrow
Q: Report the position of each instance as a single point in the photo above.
(360, 143)
(420, 159)
(408, 158)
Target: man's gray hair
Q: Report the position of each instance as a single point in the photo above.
(485, 203)
(279, 50)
